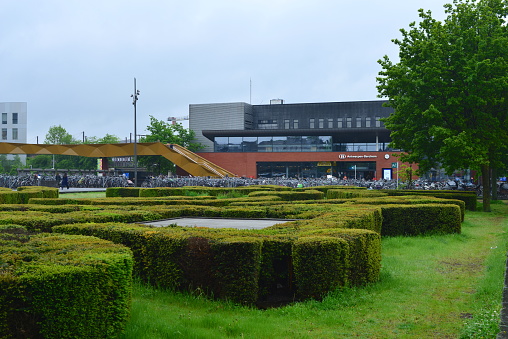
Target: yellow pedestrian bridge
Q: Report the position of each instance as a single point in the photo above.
(180, 156)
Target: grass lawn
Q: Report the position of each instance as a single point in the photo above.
(446, 286)
(84, 195)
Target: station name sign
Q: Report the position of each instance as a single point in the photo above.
(348, 156)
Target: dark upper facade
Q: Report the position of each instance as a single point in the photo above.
(280, 127)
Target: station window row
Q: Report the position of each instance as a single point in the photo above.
(292, 144)
(347, 122)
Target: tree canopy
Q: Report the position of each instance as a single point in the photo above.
(58, 135)
(161, 131)
(449, 89)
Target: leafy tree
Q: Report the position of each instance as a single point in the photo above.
(161, 131)
(57, 135)
(449, 89)
(10, 166)
(40, 161)
(107, 139)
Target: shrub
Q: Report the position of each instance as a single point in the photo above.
(411, 220)
(291, 195)
(469, 198)
(320, 265)
(348, 194)
(122, 191)
(63, 286)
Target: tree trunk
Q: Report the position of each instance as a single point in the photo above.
(493, 183)
(486, 187)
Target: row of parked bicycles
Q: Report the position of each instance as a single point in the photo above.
(79, 181)
(94, 181)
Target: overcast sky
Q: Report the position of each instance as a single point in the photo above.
(74, 62)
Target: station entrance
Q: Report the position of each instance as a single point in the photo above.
(318, 169)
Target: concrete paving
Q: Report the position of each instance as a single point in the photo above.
(242, 224)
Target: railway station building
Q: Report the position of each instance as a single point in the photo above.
(303, 140)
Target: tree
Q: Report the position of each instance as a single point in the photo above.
(10, 166)
(449, 90)
(107, 139)
(57, 135)
(161, 131)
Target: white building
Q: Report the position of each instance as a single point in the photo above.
(14, 123)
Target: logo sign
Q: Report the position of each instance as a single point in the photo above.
(342, 156)
(395, 165)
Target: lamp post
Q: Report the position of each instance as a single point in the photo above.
(134, 99)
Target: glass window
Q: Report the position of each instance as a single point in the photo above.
(14, 118)
(349, 122)
(367, 122)
(330, 123)
(267, 124)
(14, 134)
(4, 118)
(221, 144)
(310, 143)
(350, 146)
(339, 123)
(294, 144)
(311, 123)
(235, 144)
(359, 147)
(286, 123)
(321, 123)
(250, 144)
(295, 124)
(358, 122)
(371, 147)
(279, 144)
(265, 144)
(378, 122)
(4, 133)
(324, 143)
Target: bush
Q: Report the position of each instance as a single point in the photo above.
(348, 194)
(186, 258)
(122, 191)
(62, 286)
(291, 195)
(235, 269)
(469, 198)
(320, 265)
(412, 220)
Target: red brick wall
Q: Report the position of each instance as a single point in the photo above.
(244, 164)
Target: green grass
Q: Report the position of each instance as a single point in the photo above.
(431, 287)
(84, 195)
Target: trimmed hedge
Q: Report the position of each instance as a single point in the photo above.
(187, 190)
(320, 265)
(247, 266)
(63, 286)
(25, 193)
(348, 194)
(290, 195)
(469, 197)
(235, 269)
(410, 200)
(122, 191)
(412, 220)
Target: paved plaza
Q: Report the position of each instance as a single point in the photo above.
(242, 224)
